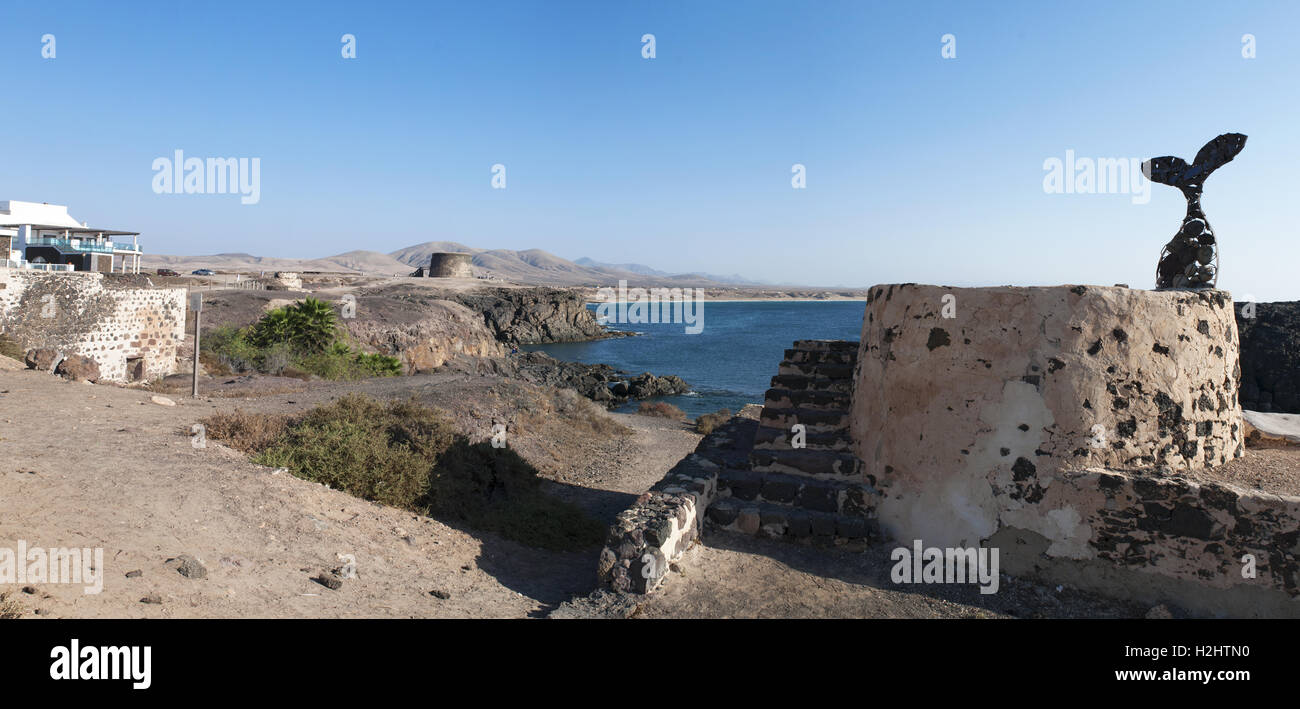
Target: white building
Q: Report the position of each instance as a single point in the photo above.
(45, 237)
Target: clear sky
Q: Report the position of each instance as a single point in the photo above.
(919, 167)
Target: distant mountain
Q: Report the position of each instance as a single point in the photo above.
(629, 267)
(532, 267)
(644, 270)
(360, 262)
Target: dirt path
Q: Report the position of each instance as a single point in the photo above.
(101, 466)
(735, 576)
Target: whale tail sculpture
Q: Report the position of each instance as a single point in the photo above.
(1191, 258)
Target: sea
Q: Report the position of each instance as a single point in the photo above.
(732, 360)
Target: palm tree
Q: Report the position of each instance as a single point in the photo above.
(313, 325)
(275, 326)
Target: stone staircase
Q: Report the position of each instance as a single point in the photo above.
(816, 491)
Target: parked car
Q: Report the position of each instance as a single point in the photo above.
(205, 272)
(167, 272)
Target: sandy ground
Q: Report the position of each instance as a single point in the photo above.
(730, 575)
(101, 466)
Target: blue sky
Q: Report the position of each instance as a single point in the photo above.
(919, 168)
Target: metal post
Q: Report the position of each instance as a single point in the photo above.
(196, 303)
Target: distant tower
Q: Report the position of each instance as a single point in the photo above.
(444, 265)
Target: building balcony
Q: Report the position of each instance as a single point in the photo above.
(60, 267)
(70, 245)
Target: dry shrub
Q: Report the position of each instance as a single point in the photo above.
(541, 407)
(706, 423)
(9, 608)
(578, 409)
(11, 348)
(661, 409)
(214, 364)
(408, 455)
(245, 431)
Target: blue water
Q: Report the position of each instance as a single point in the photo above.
(730, 363)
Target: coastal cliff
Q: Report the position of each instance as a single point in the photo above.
(531, 316)
(515, 316)
(423, 336)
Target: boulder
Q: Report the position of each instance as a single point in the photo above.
(78, 368)
(187, 566)
(42, 359)
(648, 385)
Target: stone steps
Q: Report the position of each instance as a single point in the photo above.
(830, 496)
(772, 438)
(803, 382)
(813, 420)
(795, 357)
(818, 492)
(829, 464)
(816, 371)
(826, 346)
(789, 523)
(807, 399)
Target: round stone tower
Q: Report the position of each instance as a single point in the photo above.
(445, 265)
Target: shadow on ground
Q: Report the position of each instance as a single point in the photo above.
(870, 568)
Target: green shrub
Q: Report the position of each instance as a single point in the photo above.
(308, 326)
(706, 423)
(340, 362)
(230, 346)
(378, 365)
(300, 340)
(408, 455)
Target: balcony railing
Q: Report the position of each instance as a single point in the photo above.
(82, 245)
(10, 263)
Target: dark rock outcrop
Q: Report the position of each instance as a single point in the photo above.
(599, 382)
(516, 316)
(527, 316)
(1270, 356)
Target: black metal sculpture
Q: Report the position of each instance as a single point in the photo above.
(1191, 258)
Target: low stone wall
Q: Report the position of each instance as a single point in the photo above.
(1213, 548)
(74, 313)
(658, 528)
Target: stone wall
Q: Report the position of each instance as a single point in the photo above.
(1055, 423)
(75, 313)
(1161, 539)
(1270, 356)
